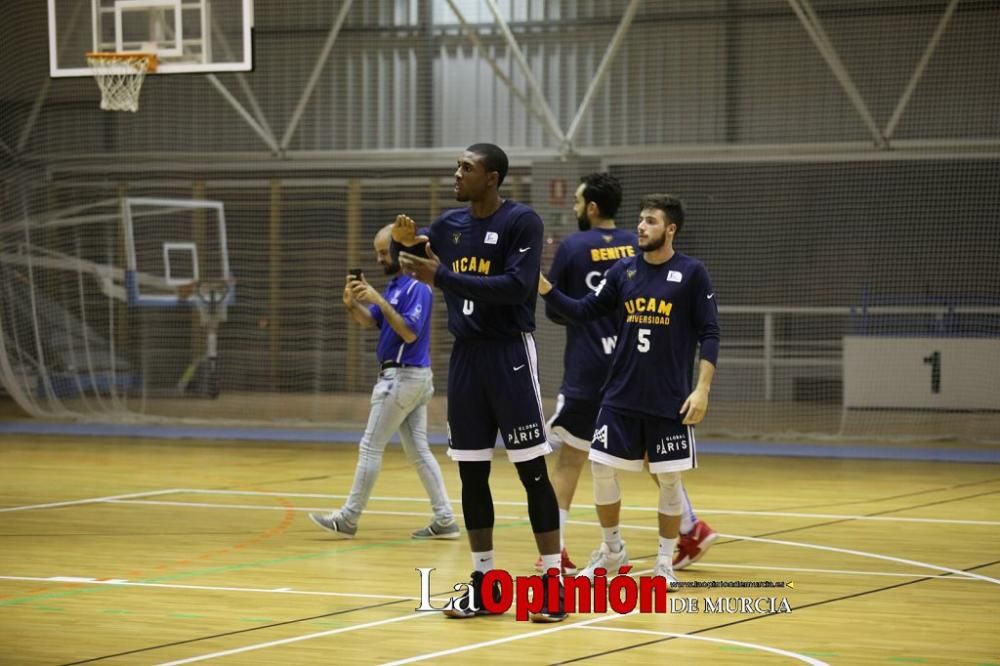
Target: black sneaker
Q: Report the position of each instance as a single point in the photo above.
(462, 608)
(547, 614)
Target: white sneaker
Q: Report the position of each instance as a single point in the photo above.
(604, 558)
(667, 572)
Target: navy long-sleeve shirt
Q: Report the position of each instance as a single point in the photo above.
(489, 270)
(577, 269)
(663, 312)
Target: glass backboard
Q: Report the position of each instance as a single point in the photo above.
(187, 36)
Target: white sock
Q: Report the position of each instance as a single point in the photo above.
(563, 516)
(667, 549)
(613, 537)
(688, 518)
(553, 561)
(483, 562)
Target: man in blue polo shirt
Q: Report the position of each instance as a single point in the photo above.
(399, 401)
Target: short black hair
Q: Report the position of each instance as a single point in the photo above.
(671, 206)
(604, 190)
(494, 159)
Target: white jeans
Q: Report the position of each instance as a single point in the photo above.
(399, 404)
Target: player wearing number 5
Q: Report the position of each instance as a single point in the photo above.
(665, 305)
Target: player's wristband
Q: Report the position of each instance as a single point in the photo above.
(420, 249)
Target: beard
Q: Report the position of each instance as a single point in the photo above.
(582, 222)
(654, 244)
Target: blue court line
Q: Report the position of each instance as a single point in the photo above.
(747, 448)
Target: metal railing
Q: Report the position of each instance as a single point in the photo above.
(819, 352)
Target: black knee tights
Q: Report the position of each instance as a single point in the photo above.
(477, 501)
(543, 509)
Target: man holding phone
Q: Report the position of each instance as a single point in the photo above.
(399, 400)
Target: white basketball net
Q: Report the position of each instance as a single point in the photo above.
(211, 299)
(120, 77)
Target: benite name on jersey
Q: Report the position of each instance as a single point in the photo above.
(471, 265)
(611, 253)
(527, 433)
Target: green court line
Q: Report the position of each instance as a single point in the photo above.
(737, 648)
(227, 569)
(821, 654)
(909, 660)
(49, 609)
(188, 616)
(116, 611)
(258, 620)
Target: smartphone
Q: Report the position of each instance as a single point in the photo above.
(356, 273)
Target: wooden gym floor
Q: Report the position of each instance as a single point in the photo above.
(136, 551)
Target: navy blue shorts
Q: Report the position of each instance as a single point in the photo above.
(573, 421)
(622, 439)
(493, 385)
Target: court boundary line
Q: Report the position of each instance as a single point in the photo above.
(585, 624)
(840, 572)
(835, 549)
(871, 555)
(124, 582)
(293, 639)
(128, 498)
(264, 507)
(756, 646)
(735, 512)
(90, 500)
(861, 553)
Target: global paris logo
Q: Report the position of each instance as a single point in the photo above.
(622, 594)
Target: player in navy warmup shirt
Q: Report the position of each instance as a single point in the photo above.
(665, 306)
(486, 259)
(578, 268)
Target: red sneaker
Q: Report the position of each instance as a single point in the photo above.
(693, 545)
(568, 568)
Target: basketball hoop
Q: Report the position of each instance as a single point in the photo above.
(185, 291)
(120, 77)
(211, 297)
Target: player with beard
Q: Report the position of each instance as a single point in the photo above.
(579, 266)
(399, 400)
(665, 306)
